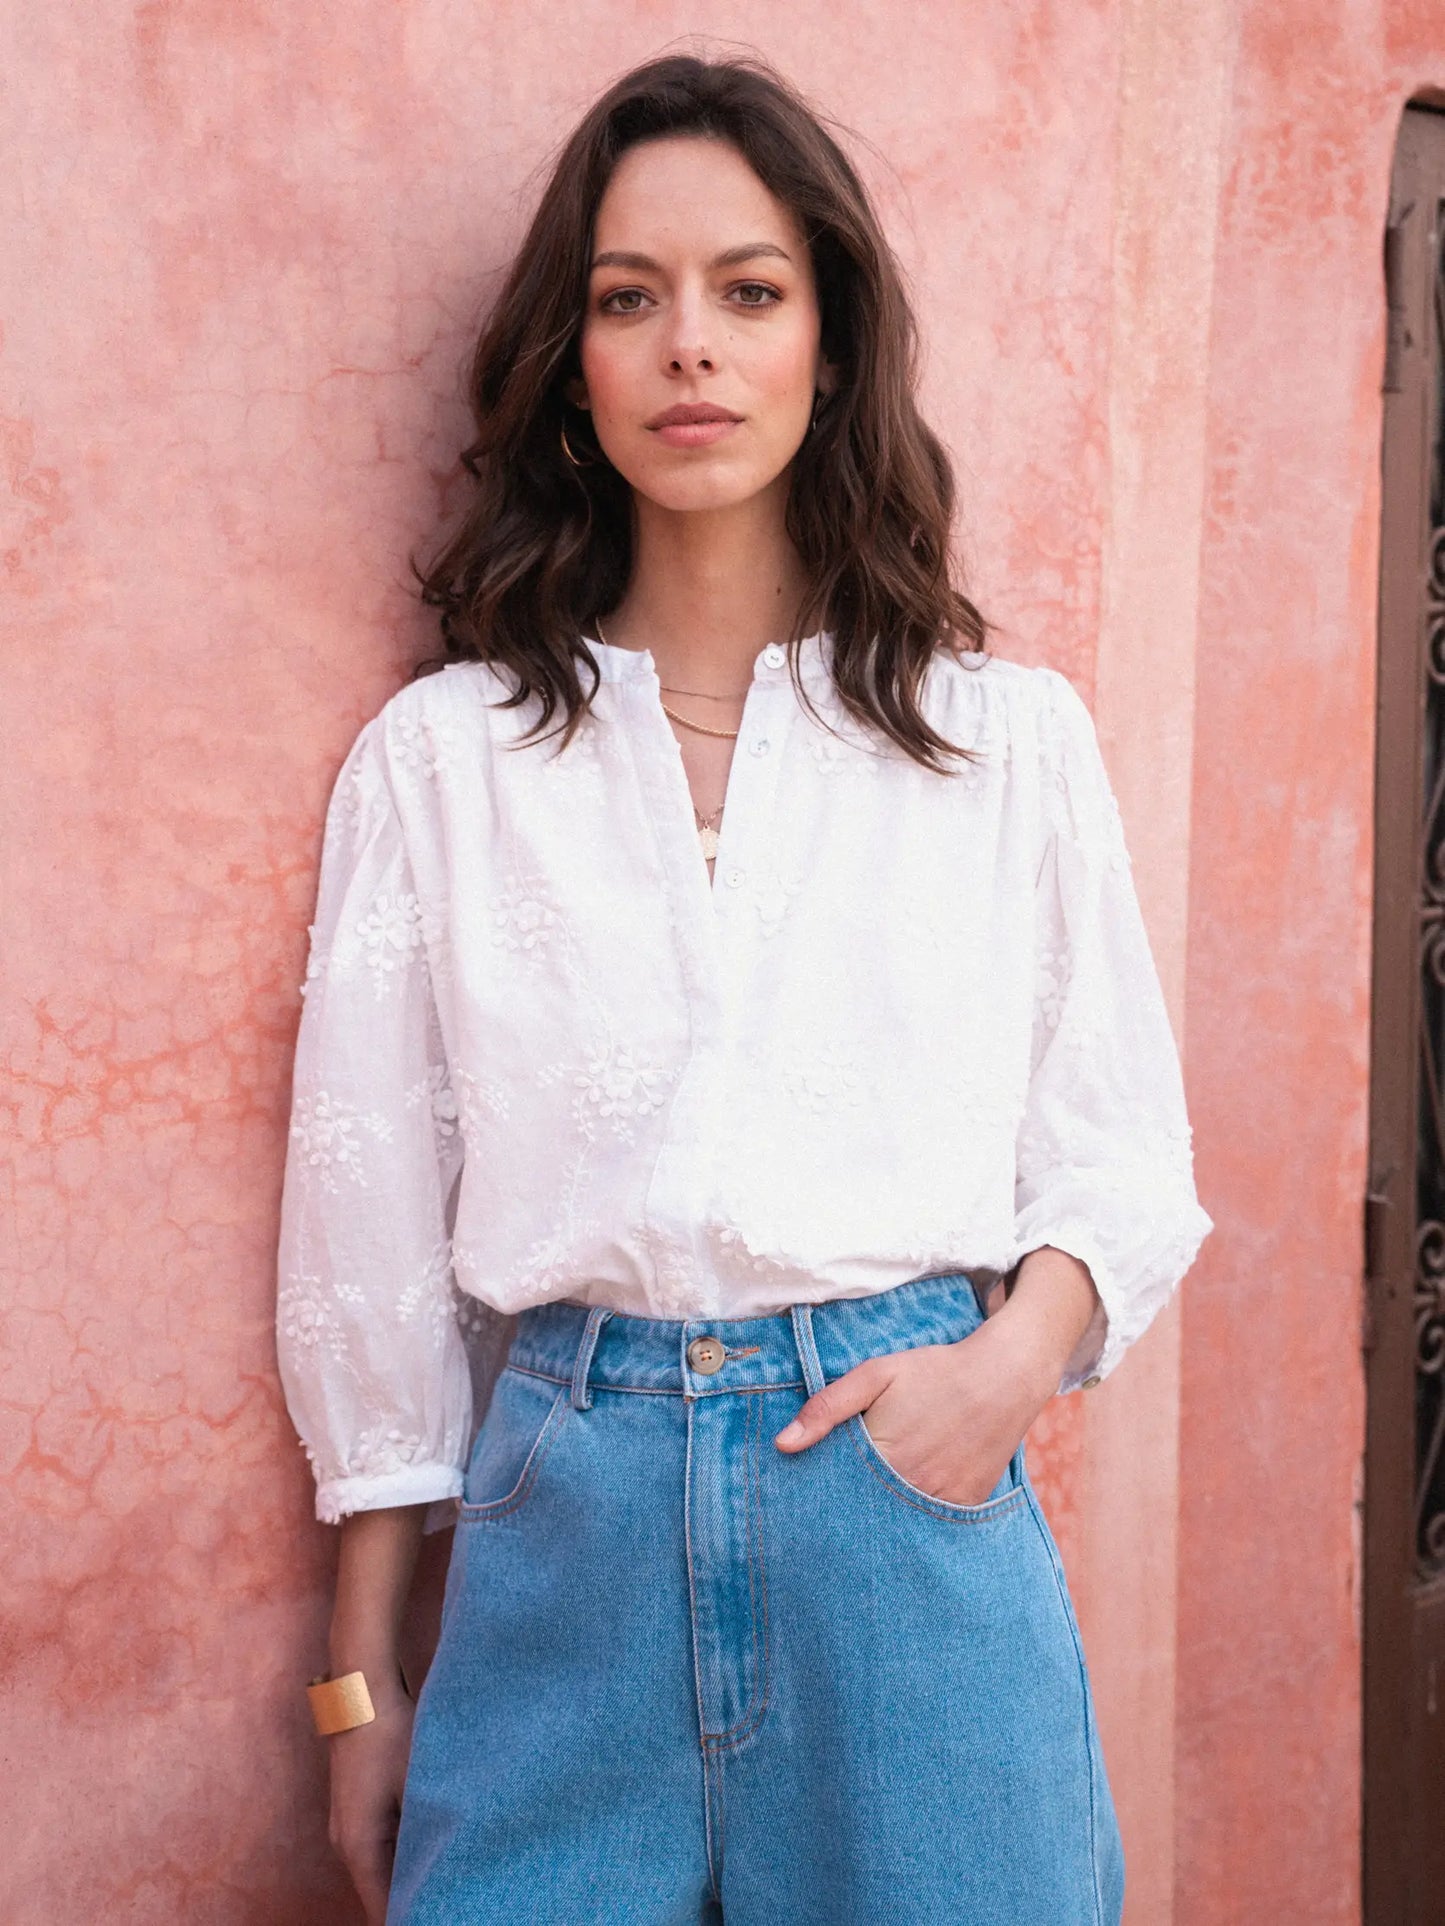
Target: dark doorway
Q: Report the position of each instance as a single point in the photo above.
(1404, 1338)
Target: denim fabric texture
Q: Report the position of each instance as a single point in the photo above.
(684, 1677)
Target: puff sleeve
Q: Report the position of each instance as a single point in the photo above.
(372, 1360)
(1104, 1166)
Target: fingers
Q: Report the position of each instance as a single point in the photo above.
(841, 1399)
(369, 1866)
(364, 1839)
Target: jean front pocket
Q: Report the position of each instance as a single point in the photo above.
(523, 1421)
(1008, 1499)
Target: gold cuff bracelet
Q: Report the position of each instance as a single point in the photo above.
(339, 1704)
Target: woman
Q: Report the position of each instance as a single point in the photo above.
(729, 971)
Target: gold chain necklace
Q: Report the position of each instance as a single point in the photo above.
(725, 735)
(707, 695)
(728, 735)
(708, 834)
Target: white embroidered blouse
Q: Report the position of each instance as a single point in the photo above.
(912, 1024)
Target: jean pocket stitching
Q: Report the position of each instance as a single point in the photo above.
(894, 1482)
(551, 1430)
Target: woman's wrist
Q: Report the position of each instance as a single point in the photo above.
(1050, 1306)
(382, 1671)
(374, 1574)
(376, 1655)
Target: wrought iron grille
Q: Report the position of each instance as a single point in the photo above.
(1430, 1172)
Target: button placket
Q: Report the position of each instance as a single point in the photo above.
(738, 799)
(676, 1192)
(744, 790)
(755, 843)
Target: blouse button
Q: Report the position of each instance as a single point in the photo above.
(1089, 1383)
(761, 746)
(734, 878)
(775, 655)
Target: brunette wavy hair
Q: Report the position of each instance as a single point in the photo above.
(544, 548)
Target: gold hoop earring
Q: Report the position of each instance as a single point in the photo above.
(567, 451)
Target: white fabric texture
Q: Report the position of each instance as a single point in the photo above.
(912, 1025)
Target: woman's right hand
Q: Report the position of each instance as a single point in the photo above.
(368, 1771)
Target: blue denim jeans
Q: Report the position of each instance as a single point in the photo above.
(685, 1677)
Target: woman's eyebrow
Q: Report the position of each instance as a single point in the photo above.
(730, 257)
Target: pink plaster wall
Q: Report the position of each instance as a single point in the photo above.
(247, 245)
(1272, 1428)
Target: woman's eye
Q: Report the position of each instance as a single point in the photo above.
(622, 301)
(756, 294)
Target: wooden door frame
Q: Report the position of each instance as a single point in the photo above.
(1392, 1588)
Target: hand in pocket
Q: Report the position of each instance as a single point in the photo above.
(947, 1417)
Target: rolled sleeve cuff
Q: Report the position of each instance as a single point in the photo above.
(1101, 1346)
(1131, 1294)
(337, 1498)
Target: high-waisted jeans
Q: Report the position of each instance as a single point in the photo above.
(686, 1677)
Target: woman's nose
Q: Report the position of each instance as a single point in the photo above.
(689, 349)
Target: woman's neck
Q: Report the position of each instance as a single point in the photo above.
(709, 589)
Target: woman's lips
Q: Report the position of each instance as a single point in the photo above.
(694, 434)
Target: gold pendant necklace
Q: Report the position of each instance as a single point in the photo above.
(707, 831)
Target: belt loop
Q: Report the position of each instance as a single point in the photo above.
(581, 1390)
(807, 1348)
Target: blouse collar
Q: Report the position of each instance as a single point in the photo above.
(815, 656)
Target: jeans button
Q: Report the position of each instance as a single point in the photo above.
(706, 1354)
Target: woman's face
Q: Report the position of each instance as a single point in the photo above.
(701, 300)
